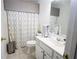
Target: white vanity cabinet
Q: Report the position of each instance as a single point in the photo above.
(41, 52)
(57, 56)
(45, 52)
(46, 56)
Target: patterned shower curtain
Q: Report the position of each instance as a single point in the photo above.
(22, 26)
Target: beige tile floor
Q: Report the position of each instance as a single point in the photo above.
(22, 54)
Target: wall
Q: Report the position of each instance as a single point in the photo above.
(44, 12)
(4, 32)
(64, 14)
(63, 19)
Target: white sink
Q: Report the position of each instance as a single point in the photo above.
(58, 40)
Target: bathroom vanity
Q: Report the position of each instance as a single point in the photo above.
(49, 48)
(56, 15)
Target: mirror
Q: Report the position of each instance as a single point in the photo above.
(59, 15)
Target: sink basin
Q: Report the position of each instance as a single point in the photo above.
(57, 43)
(57, 40)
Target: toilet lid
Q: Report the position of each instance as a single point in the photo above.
(31, 42)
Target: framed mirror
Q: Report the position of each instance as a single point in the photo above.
(59, 16)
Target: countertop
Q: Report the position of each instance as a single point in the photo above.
(52, 44)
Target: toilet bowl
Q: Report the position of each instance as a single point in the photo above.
(31, 46)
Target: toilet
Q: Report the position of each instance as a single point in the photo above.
(31, 46)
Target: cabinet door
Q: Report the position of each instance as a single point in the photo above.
(61, 58)
(39, 52)
(56, 56)
(46, 56)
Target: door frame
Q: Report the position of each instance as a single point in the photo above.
(72, 31)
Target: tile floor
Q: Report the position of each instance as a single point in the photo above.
(22, 54)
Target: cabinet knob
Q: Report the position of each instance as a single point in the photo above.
(66, 56)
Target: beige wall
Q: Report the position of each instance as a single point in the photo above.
(63, 19)
(44, 12)
(4, 32)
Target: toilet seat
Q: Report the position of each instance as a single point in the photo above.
(31, 43)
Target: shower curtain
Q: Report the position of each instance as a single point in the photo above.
(22, 26)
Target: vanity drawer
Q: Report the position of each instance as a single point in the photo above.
(46, 49)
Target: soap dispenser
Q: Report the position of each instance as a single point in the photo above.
(45, 30)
